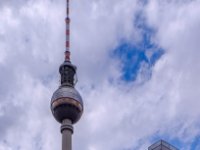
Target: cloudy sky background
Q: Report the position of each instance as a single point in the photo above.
(138, 70)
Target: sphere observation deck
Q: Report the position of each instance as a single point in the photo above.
(66, 102)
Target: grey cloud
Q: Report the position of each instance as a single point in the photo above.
(116, 115)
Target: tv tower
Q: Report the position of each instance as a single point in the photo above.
(66, 102)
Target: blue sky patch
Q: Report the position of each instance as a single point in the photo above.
(131, 56)
(195, 144)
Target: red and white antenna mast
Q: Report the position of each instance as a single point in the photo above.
(67, 20)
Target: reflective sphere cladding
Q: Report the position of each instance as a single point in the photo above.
(66, 103)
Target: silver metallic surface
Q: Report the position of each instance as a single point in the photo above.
(68, 92)
(62, 108)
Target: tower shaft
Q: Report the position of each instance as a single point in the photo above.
(67, 131)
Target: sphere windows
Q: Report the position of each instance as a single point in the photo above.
(69, 100)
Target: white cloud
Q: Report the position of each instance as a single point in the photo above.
(117, 115)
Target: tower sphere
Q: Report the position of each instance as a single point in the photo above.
(66, 103)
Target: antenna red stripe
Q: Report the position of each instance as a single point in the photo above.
(67, 20)
(67, 43)
(67, 32)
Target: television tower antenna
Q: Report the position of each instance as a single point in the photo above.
(66, 103)
(67, 20)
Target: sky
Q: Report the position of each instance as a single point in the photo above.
(138, 73)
